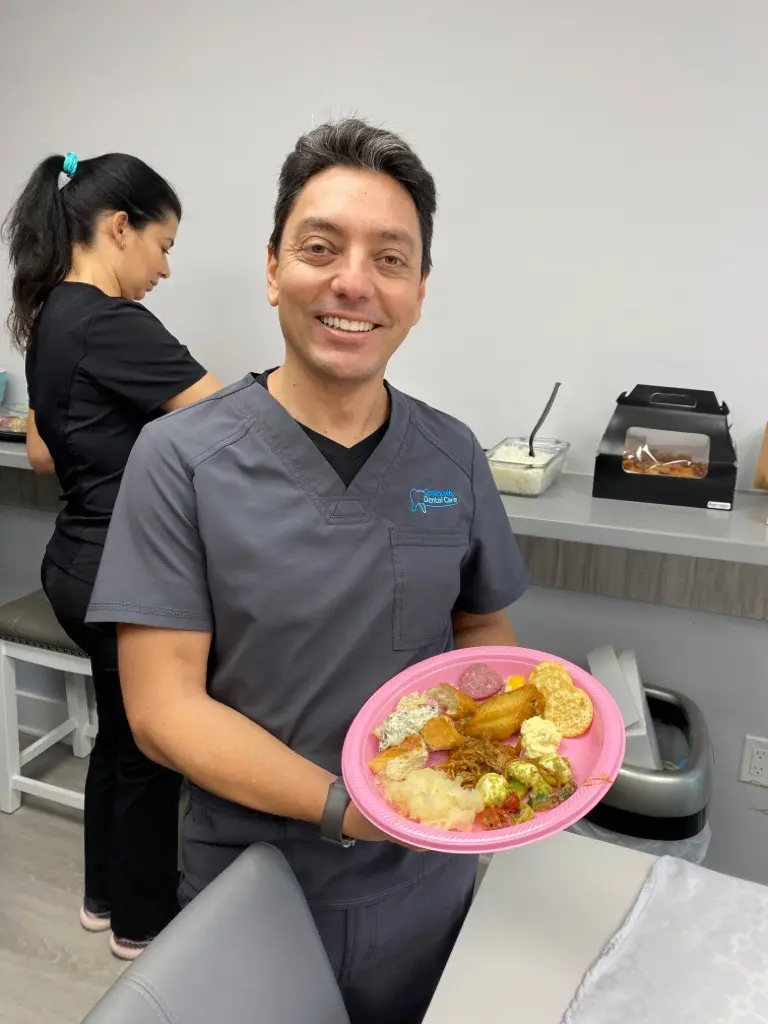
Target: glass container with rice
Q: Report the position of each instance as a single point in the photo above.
(516, 472)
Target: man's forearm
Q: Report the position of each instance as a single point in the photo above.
(176, 722)
(496, 631)
(227, 754)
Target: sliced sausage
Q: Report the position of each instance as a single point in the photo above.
(479, 681)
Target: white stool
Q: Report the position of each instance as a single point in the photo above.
(29, 632)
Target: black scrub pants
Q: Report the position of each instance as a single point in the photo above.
(131, 803)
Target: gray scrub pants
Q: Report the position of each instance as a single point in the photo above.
(387, 954)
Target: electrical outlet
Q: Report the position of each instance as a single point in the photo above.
(754, 762)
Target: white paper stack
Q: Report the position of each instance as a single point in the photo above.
(618, 672)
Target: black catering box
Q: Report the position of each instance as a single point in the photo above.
(669, 446)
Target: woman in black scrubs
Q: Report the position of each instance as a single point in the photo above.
(88, 239)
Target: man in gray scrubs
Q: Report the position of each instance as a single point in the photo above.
(285, 547)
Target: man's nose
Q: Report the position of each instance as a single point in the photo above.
(354, 278)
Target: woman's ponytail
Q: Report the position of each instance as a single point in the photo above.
(46, 221)
(37, 233)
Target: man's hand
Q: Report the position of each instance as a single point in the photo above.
(363, 830)
(358, 827)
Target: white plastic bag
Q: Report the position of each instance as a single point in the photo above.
(694, 850)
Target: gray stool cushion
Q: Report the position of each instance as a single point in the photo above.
(30, 620)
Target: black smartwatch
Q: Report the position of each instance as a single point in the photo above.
(333, 815)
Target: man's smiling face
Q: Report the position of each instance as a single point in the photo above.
(347, 281)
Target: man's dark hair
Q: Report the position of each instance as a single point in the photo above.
(353, 143)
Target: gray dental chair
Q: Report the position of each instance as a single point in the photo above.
(245, 951)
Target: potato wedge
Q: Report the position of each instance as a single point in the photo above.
(441, 734)
(500, 717)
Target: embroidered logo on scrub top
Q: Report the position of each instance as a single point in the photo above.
(422, 500)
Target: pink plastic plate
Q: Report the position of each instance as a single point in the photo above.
(595, 757)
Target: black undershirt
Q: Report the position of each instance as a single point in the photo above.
(347, 462)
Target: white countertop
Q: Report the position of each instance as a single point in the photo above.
(541, 917)
(569, 512)
(14, 455)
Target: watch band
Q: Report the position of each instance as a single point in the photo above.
(336, 805)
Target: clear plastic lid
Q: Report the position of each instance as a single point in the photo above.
(515, 451)
(666, 453)
(13, 421)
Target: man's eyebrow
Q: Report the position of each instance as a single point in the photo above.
(397, 235)
(319, 224)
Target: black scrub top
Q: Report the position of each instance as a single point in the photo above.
(99, 369)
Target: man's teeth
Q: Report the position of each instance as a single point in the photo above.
(347, 325)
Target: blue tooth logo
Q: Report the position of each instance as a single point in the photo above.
(418, 504)
(421, 500)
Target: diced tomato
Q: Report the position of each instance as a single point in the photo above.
(493, 817)
(513, 804)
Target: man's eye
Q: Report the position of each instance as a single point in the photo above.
(393, 261)
(316, 249)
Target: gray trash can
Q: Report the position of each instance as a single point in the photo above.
(662, 812)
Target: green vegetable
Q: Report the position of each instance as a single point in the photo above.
(556, 768)
(543, 797)
(524, 772)
(524, 814)
(567, 790)
(518, 788)
(493, 788)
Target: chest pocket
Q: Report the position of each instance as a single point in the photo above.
(427, 571)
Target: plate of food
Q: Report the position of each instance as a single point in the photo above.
(483, 749)
(13, 425)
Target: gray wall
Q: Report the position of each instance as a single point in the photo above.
(23, 536)
(24, 532)
(718, 661)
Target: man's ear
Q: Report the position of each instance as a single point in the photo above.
(272, 289)
(420, 300)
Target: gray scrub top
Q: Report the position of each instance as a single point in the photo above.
(230, 520)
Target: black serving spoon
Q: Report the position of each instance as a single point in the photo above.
(540, 423)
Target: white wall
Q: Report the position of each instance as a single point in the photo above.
(602, 168)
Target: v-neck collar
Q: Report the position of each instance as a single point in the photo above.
(311, 470)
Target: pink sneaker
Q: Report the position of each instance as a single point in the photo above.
(94, 917)
(127, 949)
